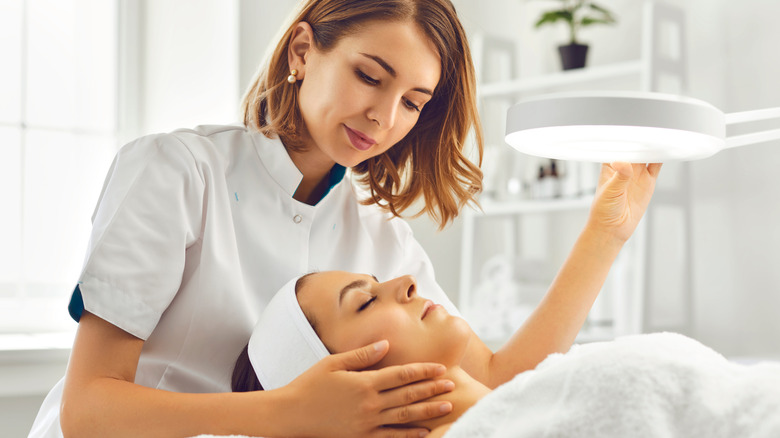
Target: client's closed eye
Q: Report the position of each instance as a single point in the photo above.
(367, 303)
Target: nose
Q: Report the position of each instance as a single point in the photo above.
(383, 112)
(405, 288)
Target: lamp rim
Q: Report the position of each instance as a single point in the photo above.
(674, 115)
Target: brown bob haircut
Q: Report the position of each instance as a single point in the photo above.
(430, 160)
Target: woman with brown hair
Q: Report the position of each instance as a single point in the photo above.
(196, 229)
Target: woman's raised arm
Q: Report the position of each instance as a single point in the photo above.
(621, 200)
(100, 398)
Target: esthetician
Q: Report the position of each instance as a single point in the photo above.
(195, 230)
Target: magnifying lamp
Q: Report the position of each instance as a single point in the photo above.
(638, 127)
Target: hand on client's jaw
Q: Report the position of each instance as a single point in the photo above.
(355, 404)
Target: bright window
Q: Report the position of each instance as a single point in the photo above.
(58, 134)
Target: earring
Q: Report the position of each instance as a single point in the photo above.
(291, 79)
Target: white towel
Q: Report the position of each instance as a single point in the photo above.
(658, 385)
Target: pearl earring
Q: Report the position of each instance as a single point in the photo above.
(291, 79)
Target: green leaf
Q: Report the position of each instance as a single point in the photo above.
(587, 21)
(553, 17)
(604, 11)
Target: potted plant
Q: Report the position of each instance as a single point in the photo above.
(577, 14)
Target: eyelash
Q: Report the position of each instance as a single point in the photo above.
(365, 305)
(374, 82)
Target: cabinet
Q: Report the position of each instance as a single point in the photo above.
(513, 246)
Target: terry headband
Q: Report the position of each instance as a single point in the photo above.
(283, 344)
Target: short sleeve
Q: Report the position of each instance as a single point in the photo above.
(149, 213)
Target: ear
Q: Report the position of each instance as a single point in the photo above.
(301, 42)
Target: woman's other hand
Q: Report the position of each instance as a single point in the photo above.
(335, 399)
(622, 197)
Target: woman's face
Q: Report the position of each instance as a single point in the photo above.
(366, 94)
(353, 310)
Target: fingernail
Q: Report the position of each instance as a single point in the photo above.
(423, 433)
(380, 346)
(449, 386)
(440, 370)
(445, 407)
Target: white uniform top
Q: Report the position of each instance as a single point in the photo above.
(193, 234)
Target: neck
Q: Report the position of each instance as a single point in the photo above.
(315, 167)
(468, 391)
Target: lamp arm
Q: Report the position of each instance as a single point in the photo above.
(752, 116)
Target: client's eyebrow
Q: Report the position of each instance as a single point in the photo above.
(354, 285)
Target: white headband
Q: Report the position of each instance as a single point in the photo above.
(283, 344)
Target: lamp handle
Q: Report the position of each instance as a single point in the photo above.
(752, 116)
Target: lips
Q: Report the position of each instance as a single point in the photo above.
(360, 141)
(427, 307)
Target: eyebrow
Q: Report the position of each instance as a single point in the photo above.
(392, 71)
(354, 285)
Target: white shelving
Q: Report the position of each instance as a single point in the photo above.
(563, 78)
(491, 207)
(654, 65)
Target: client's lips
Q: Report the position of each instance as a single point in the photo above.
(359, 140)
(427, 307)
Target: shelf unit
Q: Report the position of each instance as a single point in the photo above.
(659, 62)
(558, 79)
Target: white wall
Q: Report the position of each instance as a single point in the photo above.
(260, 28)
(737, 208)
(189, 64)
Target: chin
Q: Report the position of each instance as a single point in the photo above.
(462, 329)
(350, 158)
(458, 337)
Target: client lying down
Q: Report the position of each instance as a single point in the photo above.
(658, 385)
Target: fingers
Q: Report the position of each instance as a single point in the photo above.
(360, 358)
(606, 174)
(392, 432)
(416, 392)
(415, 412)
(400, 375)
(624, 170)
(654, 169)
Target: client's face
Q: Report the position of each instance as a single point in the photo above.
(353, 310)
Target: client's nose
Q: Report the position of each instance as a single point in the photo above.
(407, 288)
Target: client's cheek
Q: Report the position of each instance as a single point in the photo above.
(393, 357)
(357, 337)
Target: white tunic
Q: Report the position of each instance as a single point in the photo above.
(193, 234)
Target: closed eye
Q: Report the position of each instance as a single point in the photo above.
(374, 82)
(366, 304)
(366, 78)
(411, 106)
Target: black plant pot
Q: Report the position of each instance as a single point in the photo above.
(573, 56)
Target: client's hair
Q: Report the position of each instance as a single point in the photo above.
(244, 378)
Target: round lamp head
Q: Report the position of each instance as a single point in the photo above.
(604, 127)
